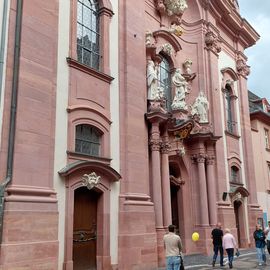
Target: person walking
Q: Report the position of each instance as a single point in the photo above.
(267, 233)
(229, 244)
(173, 249)
(259, 237)
(217, 235)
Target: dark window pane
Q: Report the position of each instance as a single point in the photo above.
(87, 140)
(88, 32)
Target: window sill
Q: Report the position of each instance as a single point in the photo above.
(81, 156)
(236, 184)
(233, 135)
(267, 149)
(88, 70)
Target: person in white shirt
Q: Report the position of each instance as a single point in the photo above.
(267, 233)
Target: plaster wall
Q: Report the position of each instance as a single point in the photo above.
(262, 157)
(61, 121)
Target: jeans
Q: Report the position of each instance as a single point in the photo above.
(173, 263)
(216, 249)
(230, 252)
(261, 255)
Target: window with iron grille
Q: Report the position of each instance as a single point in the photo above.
(88, 34)
(87, 140)
(165, 81)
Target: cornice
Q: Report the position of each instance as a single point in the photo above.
(262, 116)
(228, 18)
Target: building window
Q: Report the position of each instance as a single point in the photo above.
(234, 174)
(231, 125)
(88, 34)
(266, 138)
(165, 81)
(87, 140)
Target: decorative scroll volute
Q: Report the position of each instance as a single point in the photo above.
(212, 42)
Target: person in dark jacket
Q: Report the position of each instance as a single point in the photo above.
(259, 237)
(217, 235)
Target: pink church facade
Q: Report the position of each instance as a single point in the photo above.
(125, 118)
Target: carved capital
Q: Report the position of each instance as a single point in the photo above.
(210, 160)
(165, 147)
(212, 42)
(90, 180)
(155, 144)
(242, 67)
(201, 158)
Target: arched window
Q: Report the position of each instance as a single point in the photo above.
(165, 81)
(88, 140)
(88, 33)
(235, 174)
(228, 108)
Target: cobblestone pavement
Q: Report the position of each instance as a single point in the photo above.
(247, 260)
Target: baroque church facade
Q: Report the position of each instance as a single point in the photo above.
(117, 119)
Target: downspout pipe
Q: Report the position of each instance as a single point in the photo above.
(3, 43)
(13, 109)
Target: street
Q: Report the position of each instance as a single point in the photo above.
(247, 260)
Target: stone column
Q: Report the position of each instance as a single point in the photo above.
(203, 190)
(165, 176)
(155, 143)
(211, 188)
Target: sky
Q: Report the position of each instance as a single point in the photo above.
(257, 13)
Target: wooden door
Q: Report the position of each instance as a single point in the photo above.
(85, 229)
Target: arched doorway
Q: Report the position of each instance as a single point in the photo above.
(85, 229)
(174, 206)
(237, 208)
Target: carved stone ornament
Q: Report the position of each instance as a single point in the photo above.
(149, 39)
(154, 144)
(167, 49)
(187, 66)
(200, 107)
(242, 67)
(176, 29)
(210, 160)
(90, 180)
(181, 89)
(175, 7)
(212, 42)
(181, 151)
(155, 92)
(165, 147)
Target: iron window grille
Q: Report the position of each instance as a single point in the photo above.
(87, 140)
(88, 33)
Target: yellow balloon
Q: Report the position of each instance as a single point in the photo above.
(195, 236)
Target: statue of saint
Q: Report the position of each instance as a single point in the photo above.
(154, 91)
(200, 107)
(181, 90)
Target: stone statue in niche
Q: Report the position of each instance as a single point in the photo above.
(155, 92)
(181, 89)
(201, 107)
